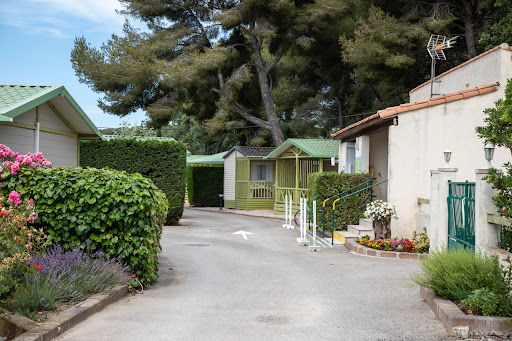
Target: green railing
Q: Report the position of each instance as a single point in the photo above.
(343, 197)
(262, 189)
(295, 193)
(340, 194)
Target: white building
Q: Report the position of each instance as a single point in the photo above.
(41, 118)
(404, 143)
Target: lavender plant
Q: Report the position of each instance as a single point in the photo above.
(67, 276)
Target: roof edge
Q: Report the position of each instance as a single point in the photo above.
(33, 101)
(503, 46)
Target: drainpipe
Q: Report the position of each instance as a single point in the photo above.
(36, 135)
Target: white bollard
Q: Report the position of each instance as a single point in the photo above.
(314, 247)
(290, 224)
(285, 225)
(303, 240)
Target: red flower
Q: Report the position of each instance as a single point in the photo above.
(38, 267)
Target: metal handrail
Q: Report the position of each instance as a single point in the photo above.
(334, 196)
(346, 196)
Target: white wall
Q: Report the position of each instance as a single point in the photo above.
(230, 176)
(379, 162)
(416, 146)
(482, 70)
(61, 150)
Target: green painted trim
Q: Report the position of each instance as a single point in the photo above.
(34, 101)
(58, 132)
(423, 201)
(494, 219)
(45, 96)
(31, 127)
(82, 113)
(4, 118)
(88, 136)
(63, 119)
(19, 125)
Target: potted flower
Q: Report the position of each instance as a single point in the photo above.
(381, 213)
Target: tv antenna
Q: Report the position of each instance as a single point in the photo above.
(435, 47)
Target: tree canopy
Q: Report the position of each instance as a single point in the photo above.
(254, 72)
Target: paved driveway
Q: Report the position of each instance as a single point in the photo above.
(215, 285)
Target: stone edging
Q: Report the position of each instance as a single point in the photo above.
(462, 325)
(67, 319)
(367, 251)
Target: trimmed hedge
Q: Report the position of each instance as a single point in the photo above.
(204, 184)
(348, 211)
(121, 214)
(164, 162)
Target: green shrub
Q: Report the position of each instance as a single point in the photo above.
(121, 214)
(204, 184)
(348, 211)
(164, 162)
(454, 274)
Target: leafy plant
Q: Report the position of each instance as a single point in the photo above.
(204, 184)
(67, 276)
(454, 274)
(498, 130)
(163, 162)
(482, 301)
(121, 214)
(348, 211)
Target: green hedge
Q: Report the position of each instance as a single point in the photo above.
(348, 211)
(121, 214)
(204, 184)
(164, 162)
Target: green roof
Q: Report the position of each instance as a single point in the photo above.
(205, 159)
(17, 99)
(313, 147)
(156, 138)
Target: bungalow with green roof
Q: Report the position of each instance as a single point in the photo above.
(44, 118)
(248, 179)
(295, 160)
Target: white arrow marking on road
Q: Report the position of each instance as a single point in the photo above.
(243, 233)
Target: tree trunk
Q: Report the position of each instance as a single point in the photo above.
(266, 94)
(382, 228)
(469, 28)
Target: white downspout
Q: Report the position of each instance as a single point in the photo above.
(36, 135)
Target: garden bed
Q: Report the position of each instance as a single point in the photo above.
(462, 325)
(366, 251)
(21, 328)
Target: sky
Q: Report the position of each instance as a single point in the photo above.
(37, 36)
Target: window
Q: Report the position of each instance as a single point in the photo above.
(262, 172)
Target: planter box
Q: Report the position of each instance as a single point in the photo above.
(368, 251)
(459, 324)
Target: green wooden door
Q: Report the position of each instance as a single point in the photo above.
(461, 214)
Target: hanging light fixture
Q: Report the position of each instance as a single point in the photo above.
(447, 156)
(489, 153)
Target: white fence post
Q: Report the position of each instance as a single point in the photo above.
(314, 247)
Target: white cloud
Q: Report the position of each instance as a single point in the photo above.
(59, 17)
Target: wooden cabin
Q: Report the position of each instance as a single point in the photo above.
(249, 179)
(295, 160)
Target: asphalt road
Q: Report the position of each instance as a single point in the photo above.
(215, 285)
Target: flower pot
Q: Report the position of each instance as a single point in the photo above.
(382, 228)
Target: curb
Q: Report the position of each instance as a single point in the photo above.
(67, 319)
(462, 325)
(352, 245)
(226, 210)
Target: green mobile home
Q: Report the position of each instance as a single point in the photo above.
(248, 179)
(295, 160)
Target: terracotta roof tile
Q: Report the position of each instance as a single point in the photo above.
(455, 96)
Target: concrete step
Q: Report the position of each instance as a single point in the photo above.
(360, 231)
(342, 236)
(368, 223)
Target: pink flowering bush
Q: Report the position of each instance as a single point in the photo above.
(11, 161)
